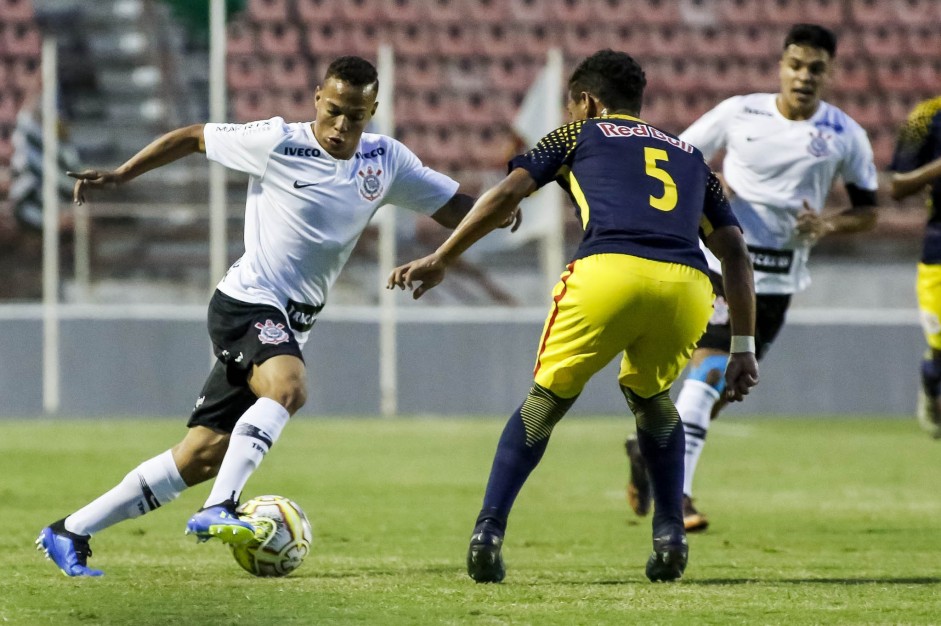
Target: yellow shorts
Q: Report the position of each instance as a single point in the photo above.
(653, 312)
(928, 288)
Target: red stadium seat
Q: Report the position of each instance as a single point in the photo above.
(883, 42)
(289, 73)
(738, 12)
(455, 39)
(16, 10)
(754, 42)
(21, 39)
(240, 39)
(782, 12)
(296, 105)
(852, 76)
(828, 13)
(512, 74)
(866, 110)
(475, 109)
(245, 73)
(927, 75)
(638, 11)
(849, 43)
(872, 12)
(404, 106)
(699, 13)
(433, 109)
(25, 73)
(883, 146)
(401, 11)
(659, 111)
(357, 11)
(727, 77)
(581, 40)
(923, 41)
(262, 11)
(419, 73)
(688, 107)
(316, 11)
(568, 12)
(499, 40)
(443, 11)
(762, 76)
(364, 40)
(536, 39)
(898, 106)
(413, 40)
(248, 106)
(708, 42)
(327, 39)
(667, 41)
(632, 38)
(895, 76)
(488, 147)
(527, 11)
(279, 39)
(684, 76)
(6, 151)
(486, 11)
(9, 107)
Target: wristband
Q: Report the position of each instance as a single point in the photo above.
(742, 343)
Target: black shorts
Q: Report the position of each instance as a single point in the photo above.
(243, 334)
(770, 312)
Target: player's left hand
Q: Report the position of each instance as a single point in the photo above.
(811, 225)
(741, 374)
(428, 271)
(514, 221)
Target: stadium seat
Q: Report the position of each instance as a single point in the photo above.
(419, 73)
(883, 145)
(295, 105)
(240, 39)
(364, 40)
(9, 107)
(455, 39)
(923, 41)
(16, 10)
(927, 75)
(248, 106)
(512, 74)
(828, 13)
(690, 106)
(667, 41)
(25, 73)
(762, 76)
(537, 39)
(262, 11)
(726, 77)
(316, 12)
(326, 39)
(632, 38)
(883, 42)
(581, 40)
(489, 147)
(279, 39)
(402, 11)
(637, 11)
(755, 41)
(898, 106)
(699, 13)
(659, 111)
(895, 75)
(245, 73)
(288, 73)
(865, 109)
(499, 40)
(708, 42)
(6, 147)
(570, 12)
(443, 12)
(474, 110)
(782, 13)
(486, 11)
(738, 12)
(682, 75)
(356, 11)
(527, 11)
(433, 109)
(852, 76)
(21, 39)
(872, 12)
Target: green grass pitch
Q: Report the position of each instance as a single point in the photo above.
(815, 521)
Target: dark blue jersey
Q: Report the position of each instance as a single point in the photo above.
(637, 190)
(919, 143)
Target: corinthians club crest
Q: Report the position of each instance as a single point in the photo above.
(818, 146)
(371, 187)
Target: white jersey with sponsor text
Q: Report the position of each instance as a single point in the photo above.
(773, 165)
(306, 210)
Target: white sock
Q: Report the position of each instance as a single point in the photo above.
(253, 435)
(695, 407)
(151, 484)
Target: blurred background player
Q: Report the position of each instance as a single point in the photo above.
(637, 286)
(917, 164)
(313, 188)
(782, 154)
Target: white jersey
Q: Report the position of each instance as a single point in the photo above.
(306, 210)
(773, 165)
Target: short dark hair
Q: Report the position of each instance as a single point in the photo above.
(812, 35)
(615, 78)
(354, 70)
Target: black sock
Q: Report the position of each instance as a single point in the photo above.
(519, 450)
(931, 377)
(665, 465)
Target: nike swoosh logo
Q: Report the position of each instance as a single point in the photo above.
(298, 185)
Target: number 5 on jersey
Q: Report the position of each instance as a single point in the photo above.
(666, 202)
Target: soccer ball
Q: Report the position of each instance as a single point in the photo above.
(282, 539)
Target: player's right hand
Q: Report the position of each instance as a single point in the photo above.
(92, 179)
(428, 271)
(741, 374)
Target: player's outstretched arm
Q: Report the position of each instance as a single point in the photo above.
(165, 149)
(741, 374)
(907, 183)
(495, 208)
(460, 204)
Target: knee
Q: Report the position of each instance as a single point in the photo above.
(291, 394)
(199, 463)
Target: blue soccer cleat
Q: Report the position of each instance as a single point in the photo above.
(668, 560)
(485, 555)
(67, 550)
(220, 520)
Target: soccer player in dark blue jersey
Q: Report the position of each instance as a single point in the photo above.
(917, 164)
(637, 286)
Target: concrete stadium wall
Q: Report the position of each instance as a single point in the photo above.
(821, 364)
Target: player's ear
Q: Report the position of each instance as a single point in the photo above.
(317, 95)
(375, 107)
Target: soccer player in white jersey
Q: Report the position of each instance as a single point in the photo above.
(312, 189)
(782, 153)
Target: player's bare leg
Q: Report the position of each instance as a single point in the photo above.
(928, 410)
